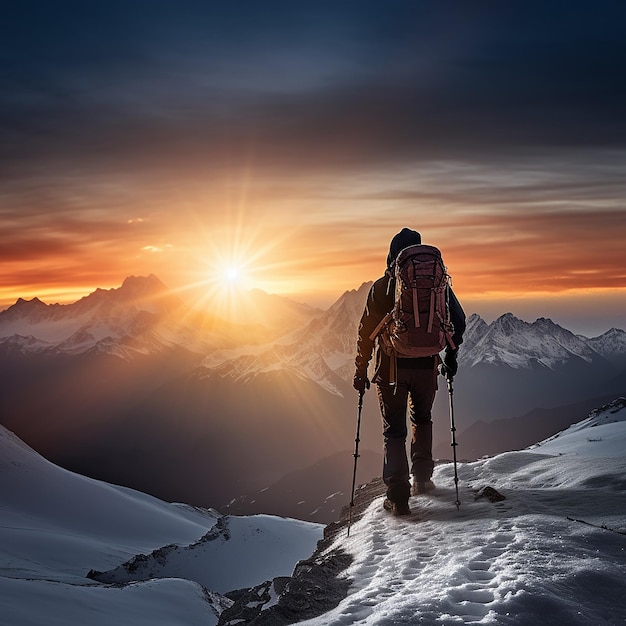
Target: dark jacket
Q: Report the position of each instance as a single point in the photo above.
(380, 302)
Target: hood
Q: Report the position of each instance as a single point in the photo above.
(405, 238)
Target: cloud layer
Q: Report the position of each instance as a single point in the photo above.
(146, 133)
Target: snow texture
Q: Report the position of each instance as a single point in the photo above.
(512, 342)
(55, 526)
(552, 552)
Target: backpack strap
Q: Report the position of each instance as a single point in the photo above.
(433, 295)
(381, 325)
(416, 310)
(431, 314)
(389, 284)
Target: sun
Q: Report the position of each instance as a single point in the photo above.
(232, 276)
(232, 273)
(233, 267)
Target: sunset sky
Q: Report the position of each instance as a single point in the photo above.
(289, 141)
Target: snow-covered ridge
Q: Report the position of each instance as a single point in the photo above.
(604, 424)
(611, 344)
(549, 551)
(56, 526)
(238, 552)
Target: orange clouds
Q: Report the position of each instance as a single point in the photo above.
(541, 251)
(503, 234)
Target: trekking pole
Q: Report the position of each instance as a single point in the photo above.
(453, 444)
(356, 456)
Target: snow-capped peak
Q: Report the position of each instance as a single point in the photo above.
(110, 315)
(515, 343)
(611, 344)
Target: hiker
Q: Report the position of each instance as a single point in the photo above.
(406, 381)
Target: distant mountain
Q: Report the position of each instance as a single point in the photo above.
(510, 367)
(138, 386)
(143, 316)
(511, 342)
(611, 345)
(269, 332)
(322, 351)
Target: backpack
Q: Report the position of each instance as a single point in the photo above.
(419, 324)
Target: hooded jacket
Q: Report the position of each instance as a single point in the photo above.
(380, 301)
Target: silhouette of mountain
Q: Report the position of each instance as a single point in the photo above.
(317, 493)
(134, 385)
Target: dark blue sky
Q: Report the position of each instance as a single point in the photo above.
(343, 82)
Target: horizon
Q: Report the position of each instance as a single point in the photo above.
(283, 146)
(589, 328)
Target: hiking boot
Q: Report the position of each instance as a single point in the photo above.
(397, 509)
(421, 487)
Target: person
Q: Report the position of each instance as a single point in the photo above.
(414, 388)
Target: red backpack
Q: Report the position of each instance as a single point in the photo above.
(419, 324)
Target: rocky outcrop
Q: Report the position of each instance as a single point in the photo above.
(317, 584)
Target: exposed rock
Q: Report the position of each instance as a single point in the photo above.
(491, 494)
(317, 584)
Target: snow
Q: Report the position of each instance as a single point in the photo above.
(552, 552)
(55, 526)
(47, 330)
(166, 602)
(243, 552)
(510, 341)
(579, 438)
(57, 523)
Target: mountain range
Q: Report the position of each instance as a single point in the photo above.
(140, 386)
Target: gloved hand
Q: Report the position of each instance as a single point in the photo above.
(450, 365)
(361, 381)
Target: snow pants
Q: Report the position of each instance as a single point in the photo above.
(415, 390)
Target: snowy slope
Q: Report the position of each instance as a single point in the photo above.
(78, 523)
(604, 426)
(551, 553)
(55, 526)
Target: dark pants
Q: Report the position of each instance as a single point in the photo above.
(415, 390)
